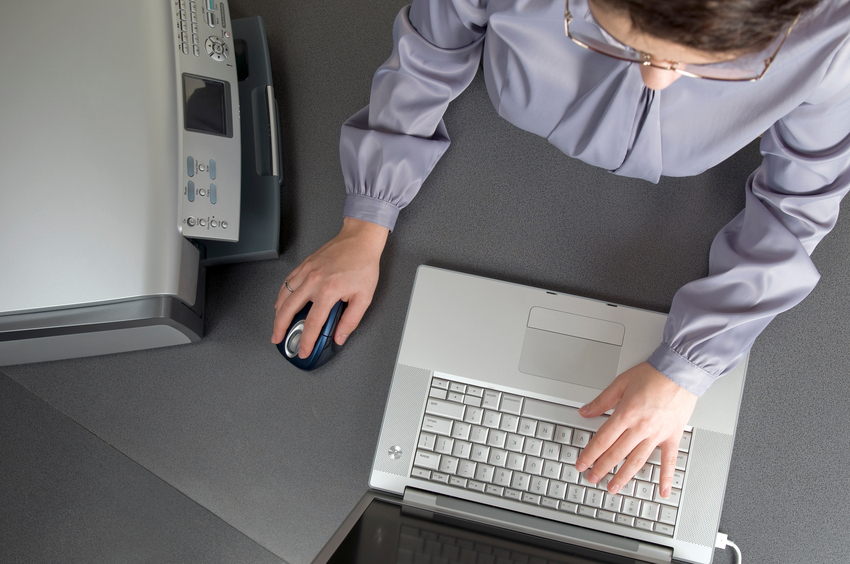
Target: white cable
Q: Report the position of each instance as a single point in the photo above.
(723, 541)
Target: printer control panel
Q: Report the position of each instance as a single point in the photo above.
(209, 188)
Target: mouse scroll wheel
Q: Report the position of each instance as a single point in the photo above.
(293, 339)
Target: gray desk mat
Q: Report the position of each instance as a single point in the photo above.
(282, 455)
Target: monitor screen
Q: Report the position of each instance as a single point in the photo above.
(205, 105)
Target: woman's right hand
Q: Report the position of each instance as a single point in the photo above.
(345, 268)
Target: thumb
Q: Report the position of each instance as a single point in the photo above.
(609, 398)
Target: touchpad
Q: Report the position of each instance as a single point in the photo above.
(571, 348)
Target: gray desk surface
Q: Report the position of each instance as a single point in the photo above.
(220, 451)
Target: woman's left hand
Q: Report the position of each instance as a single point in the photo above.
(649, 410)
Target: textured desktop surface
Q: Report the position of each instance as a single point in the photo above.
(222, 451)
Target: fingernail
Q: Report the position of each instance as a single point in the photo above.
(614, 488)
(341, 339)
(665, 493)
(581, 466)
(584, 409)
(592, 478)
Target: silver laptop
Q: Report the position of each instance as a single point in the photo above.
(481, 431)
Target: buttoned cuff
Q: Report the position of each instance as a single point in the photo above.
(370, 209)
(681, 370)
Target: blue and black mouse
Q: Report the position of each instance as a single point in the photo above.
(325, 346)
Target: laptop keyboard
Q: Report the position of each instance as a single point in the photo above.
(524, 449)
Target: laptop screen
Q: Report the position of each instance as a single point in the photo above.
(388, 533)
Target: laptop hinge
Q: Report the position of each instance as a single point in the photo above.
(537, 526)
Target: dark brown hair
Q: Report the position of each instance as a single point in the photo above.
(719, 26)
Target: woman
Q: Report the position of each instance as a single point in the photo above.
(642, 88)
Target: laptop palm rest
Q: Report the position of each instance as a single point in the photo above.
(571, 348)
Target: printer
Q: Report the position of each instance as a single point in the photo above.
(140, 144)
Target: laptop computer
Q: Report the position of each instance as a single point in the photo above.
(481, 431)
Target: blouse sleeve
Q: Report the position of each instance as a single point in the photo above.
(759, 264)
(388, 148)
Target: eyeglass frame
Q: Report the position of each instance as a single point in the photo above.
(646, 58)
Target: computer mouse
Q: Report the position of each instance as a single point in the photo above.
(325, 346)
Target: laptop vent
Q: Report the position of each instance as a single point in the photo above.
(405, 405)
(706, 484)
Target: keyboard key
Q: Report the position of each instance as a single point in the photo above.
(444, 408)
(491, 418)
(440, 477)
(527, 426)
(545, 431)
(491, 399)
(606, 515)
(594, 498)
(478, 434)
(655, 457)
(644, 524)
(557, 489)
(457, 387)
(539, 485)
(457, 481)
(678, 479)
(625, 520)
(474, 391)
(551, 450)
(455, 397)
(494, 490)
(462, 449)
(552, 469)
(645, 473)
(612, 502)
(473, 415)
(426, 440)
(672, 500)
(460, 430)
(496, 438)
(448, 464)
(520, 481)
(534, 465)
(685, 442)
(644, 490)
(664, 529)
(437, 425)
(563, 434)
(681, 461)
(438, 393)
(649, 510)
(509, 423)
(533, 499)
(586, 511)
(513, 494)
(514, 442)
(569, 454)
(475, 485)
(516, 461)
(628, 489)
(420, 473)
(568, 507)
(440, 383)
(631, 506)
(511, 404)
(559, 414)
(569, 474)
(428, 460)
(480, 453)
(532, 446)
(549, 502)
(581, 438)
(498, 457)
(603, 483)
(472, 400)
(466, 469)
(575, 494)
(444, 445)
(667, 515)
(502, 477)
(484, 473)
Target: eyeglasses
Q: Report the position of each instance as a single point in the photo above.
(750, 68)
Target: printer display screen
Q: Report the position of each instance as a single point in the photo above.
(205, 105)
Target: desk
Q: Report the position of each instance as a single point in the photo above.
(221, 451)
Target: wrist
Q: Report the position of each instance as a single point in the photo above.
(365, 233)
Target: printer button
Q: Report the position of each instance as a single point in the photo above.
(190, 166)
(191, 191)
(212, 169)
(213, 195)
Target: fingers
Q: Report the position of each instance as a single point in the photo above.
(606, 400)
(351, 318)
(610, 431)
(316, 319)
(669, 452)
